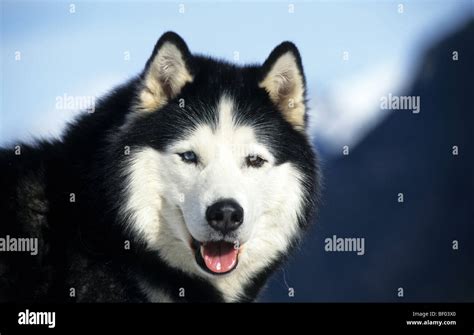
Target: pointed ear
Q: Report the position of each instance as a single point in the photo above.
(283, 78)
(166, 72)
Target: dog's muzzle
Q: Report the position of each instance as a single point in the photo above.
(220, 257)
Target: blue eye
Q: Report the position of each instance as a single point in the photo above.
(189, 157)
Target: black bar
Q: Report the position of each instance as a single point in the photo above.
(138, 318)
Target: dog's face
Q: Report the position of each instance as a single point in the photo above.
(221, 174)
(223, 178)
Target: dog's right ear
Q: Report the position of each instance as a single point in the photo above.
(166, 72)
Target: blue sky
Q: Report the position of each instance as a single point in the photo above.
(82, 53)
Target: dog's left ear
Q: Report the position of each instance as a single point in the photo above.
(166, 72)
(283, 78)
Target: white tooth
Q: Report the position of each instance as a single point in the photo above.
(202, 251)
(218, 266)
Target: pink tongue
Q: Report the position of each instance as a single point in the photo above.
(220, 257)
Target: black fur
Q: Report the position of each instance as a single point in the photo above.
(82, 243)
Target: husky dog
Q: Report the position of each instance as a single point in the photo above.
(191, 182)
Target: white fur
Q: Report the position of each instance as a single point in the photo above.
(144, 201)
(167, 199)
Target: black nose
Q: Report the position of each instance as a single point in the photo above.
(225, 215)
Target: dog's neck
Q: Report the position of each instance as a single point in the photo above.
(160, 282)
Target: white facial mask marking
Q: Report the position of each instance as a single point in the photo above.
(167, 199)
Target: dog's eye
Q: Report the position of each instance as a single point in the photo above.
(254, 161)
(189, 157)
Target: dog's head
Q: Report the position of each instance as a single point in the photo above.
(221, 175)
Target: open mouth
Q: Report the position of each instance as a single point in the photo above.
(216, 257)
